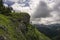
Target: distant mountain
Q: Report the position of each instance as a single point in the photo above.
(52, 26)
(51, 31)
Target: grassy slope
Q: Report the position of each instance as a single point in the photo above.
(8, 31)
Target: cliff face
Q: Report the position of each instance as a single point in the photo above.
(15, 26)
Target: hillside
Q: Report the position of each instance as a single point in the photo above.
(12, 29)
(15, 26)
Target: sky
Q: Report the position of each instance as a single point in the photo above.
(41, 11)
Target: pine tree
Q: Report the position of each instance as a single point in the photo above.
(1, 3)
(4, 10)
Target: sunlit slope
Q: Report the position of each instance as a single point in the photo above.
(13, 29)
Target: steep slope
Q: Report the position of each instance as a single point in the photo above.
(15, 26)
(12, 29)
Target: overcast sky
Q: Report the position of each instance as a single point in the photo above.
(41, 11)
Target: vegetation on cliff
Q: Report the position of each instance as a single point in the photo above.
(15, 26)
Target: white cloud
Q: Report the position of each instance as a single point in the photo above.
(5, 5)
(53, 5)
(18, 8)
(33, 4)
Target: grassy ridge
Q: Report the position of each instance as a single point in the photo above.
(15, 26)
(12, 29)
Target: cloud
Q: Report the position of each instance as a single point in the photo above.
(42, 10)
(9, 3)
(11, 0)
(25, 8)
(44, 18)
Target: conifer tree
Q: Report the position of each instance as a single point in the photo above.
(1, 3)
(4, 10)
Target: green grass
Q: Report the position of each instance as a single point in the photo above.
(30, 33)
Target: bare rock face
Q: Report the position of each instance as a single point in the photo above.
(2, 38)
(3, 28)
(21, 27)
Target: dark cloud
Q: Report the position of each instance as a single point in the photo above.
(57, 7)
(42, 11)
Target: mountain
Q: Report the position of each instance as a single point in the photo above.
(52, 31)
(12, 28)
(16, 26)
